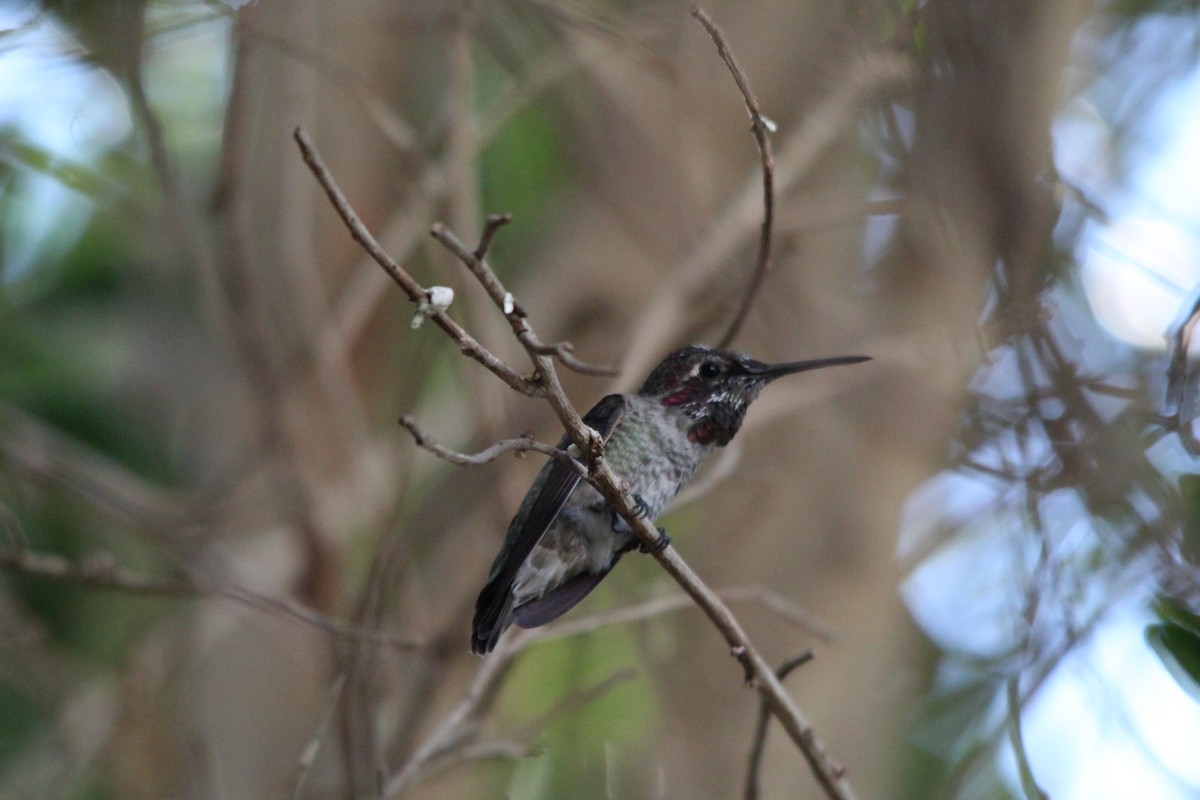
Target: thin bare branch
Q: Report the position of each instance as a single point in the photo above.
(42, 449)
(758, 745)
(492, 226)
(665, 314)
(517, 318)
(495, 750)
(395, 128)
(451, 743)
(416, 293)
(463, 719)
(309, 755)
(1177, 367)
(562, 351)
(101, 572)
(760, 127)
(658, 606)
(316, 619)
(466, 717)
(784, 608)
(575, 700)
(640, 612)
(475, 262)
(519, 445)
(1028, 782)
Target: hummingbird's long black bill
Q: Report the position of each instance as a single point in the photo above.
(772, 371)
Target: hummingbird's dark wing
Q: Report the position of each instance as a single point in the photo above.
(556, 602)
(493, 609)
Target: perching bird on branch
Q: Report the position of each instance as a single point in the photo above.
(564, 538)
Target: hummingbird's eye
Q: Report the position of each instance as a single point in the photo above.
(710, 369)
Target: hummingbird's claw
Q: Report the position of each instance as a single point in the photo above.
(642, 509)
(659, 546)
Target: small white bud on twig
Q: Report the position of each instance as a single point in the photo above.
(438, 298)
(509, 303)
(768, 123)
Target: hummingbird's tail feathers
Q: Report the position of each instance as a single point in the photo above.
(493, 615)
(492, 618)
(539, 510)
(556, 602)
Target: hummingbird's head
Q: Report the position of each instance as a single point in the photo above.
(715, 387)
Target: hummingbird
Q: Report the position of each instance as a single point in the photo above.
(564, 538)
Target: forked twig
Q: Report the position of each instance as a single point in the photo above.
(467, 344)
(474, 260)
(760, 729)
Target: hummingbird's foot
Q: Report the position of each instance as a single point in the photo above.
(659, 546)
(641, 507)
(641, 510)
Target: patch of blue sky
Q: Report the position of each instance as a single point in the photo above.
(66, 109)
(69, 109)
(1141, 266)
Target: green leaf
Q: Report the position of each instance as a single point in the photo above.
(70, 173)
(1179, 649)
(1173, 612)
